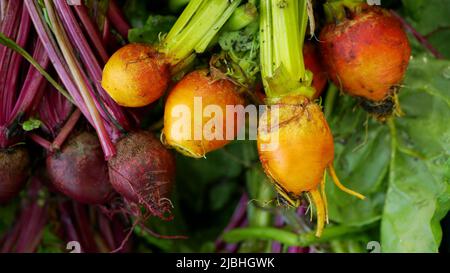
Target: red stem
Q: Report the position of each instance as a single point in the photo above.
(41, 141)
(33, 82)
(91, 63)
(92, 31)
(238, 216)
(66, 130)
(106, 35)
(8, 28)
(419, 37)
(67, 222)
(55, 56)
(118, 19)
(12, 77)
(79, 89)
(106, 231)
(32, 232)
(84, 228)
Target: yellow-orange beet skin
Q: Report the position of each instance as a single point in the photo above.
(198, 84)
(366, 55)
(305, 145)
(136, 75)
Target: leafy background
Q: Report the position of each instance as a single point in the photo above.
(402, 166)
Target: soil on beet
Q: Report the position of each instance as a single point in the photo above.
(14, 165)
(80, 171)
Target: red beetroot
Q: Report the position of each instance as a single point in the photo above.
(143, 171)
(80, 171)
(366, 55)
(14, 163)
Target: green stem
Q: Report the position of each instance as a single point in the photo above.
(289, 238)
(14, 46)
(336, 9)
(241, 17)
(332, 94)
(282, 32)
(176, 5)
(200, 21)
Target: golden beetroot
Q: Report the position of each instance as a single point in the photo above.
(186, 127)
(366, 55)
(136, 75)
(295, 148)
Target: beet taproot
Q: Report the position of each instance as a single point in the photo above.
(14, 168)
(80, 171)
(143, 171)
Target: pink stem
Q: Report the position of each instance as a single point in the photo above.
(106, 231)
(55, 56)
(91, 63)
(419, 37)
(33, 82)
(16, 60)
(84, 228)
(41, 141)
(279, 222)
(66, 130)
(237, 217)
(67, 222)
(8, 28)
(92, 31)
(118, 19)
(106, 32)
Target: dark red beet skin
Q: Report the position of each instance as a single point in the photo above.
(80, 171)
(14, 163)
(143, 171)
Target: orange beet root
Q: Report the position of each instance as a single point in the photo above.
(366, 55)
(296, 150)
(198, 85)
(136, 75)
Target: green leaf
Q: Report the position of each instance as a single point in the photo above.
(430, 18)
(240, 51)
(427, 15)
(361, 162)
(419, 177)
(31, 124)
(403, 168)
(151, 32)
